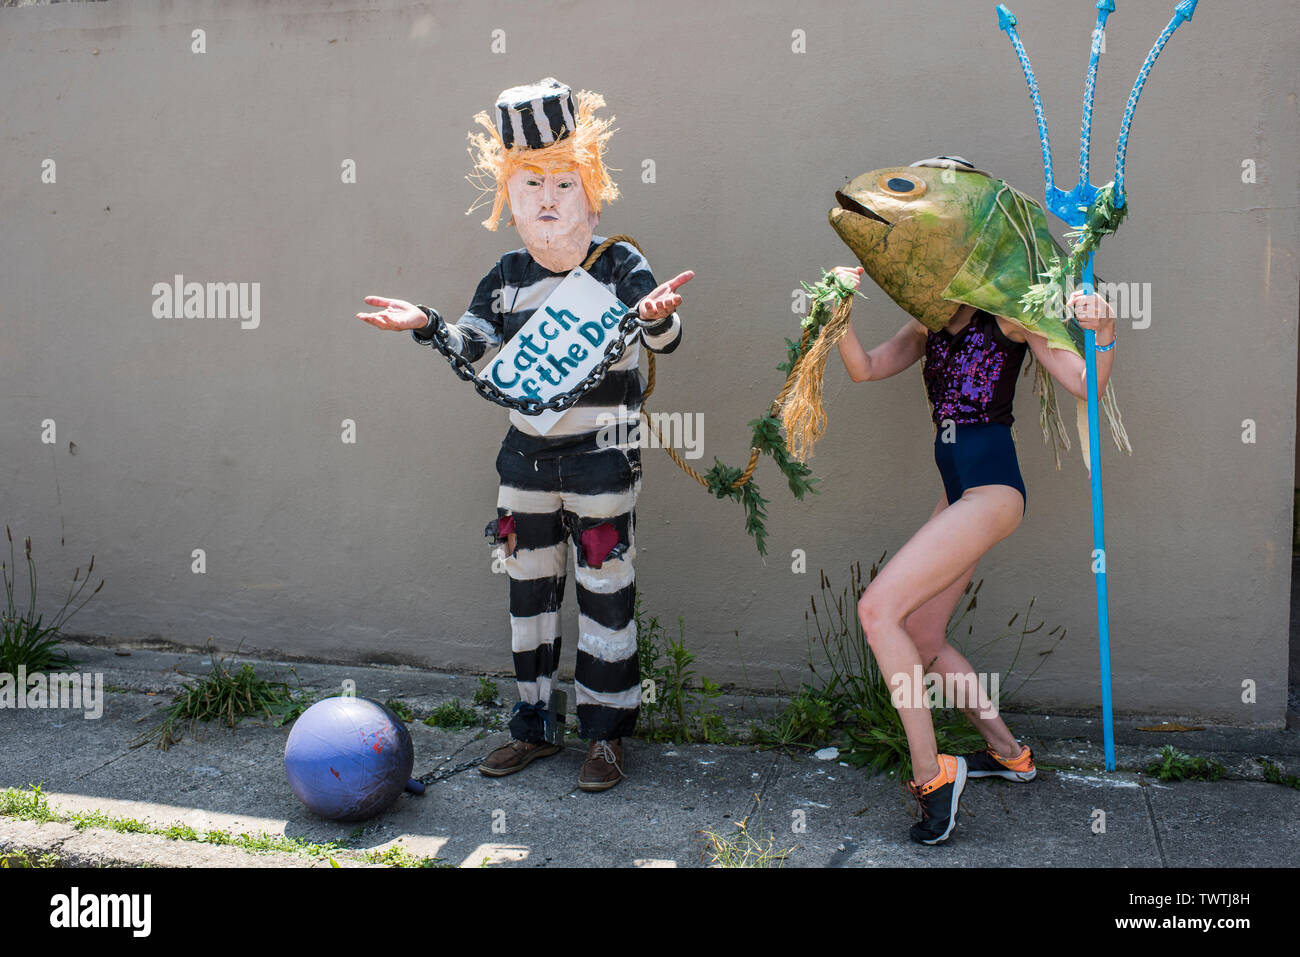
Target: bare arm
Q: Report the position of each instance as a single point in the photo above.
(1092, 312)
(888, 358)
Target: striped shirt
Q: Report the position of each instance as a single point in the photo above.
(506, 299)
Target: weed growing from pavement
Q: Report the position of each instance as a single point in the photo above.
(741, 848)
(16, 859)
(25, 639)
(98, 819)
(1173, 765)
(453, 716)
(28, 804)
(400, 857)
(1275, 775)
(678, 709)
(485, 695)
(227, 696)
(400, 708)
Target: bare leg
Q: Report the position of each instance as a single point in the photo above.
(934, 560)
(928, 628)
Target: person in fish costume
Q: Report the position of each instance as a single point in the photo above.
(958, 250)
(571, 489)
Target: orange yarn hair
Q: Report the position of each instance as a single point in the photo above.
(583, 149)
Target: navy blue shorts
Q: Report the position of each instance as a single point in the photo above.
(981, 455)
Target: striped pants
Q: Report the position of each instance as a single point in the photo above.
(583, 502)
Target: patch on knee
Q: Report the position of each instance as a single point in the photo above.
(501, 531)
(597, 541)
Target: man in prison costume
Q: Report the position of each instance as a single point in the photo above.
(573, 489)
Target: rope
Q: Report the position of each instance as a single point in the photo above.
(790, 382)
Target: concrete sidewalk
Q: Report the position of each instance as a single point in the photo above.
(830, 814)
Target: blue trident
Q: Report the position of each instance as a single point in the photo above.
(1072, 207)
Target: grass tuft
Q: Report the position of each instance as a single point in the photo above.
(400, 857)
(401, 709)
(453, 716)
(1173, 765)
(741, 848)
(25, 639)
(676, 703)
(1275, 775)
(485, 695)
(26, 859)
(29, 804)
(227, 696)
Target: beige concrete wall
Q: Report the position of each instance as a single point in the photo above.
(225, 166)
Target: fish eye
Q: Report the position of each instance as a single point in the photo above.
(901, 185)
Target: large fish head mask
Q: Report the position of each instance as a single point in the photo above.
(912, 228)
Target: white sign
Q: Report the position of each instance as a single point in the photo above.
(563, 341)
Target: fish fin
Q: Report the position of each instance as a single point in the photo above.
(1049, 413)
(1110, 405)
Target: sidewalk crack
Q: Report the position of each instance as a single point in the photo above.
(1155, 828)
(764, 783)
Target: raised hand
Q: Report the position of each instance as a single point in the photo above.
(396, 315)
(850, 275)
(662, 301)
(1092, 312)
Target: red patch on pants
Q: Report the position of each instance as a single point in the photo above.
(598, 542)
(502, 530)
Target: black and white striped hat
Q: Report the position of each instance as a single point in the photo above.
(535, 115)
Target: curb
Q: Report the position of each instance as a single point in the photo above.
(95, 847)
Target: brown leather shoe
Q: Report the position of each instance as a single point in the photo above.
(603, 767)
(515, 756)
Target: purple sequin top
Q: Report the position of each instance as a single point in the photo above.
(971, 376)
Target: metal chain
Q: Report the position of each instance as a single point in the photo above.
(559, 403)
(442, 774)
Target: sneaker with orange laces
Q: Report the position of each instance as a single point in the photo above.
(989, 764)
(938, 799)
